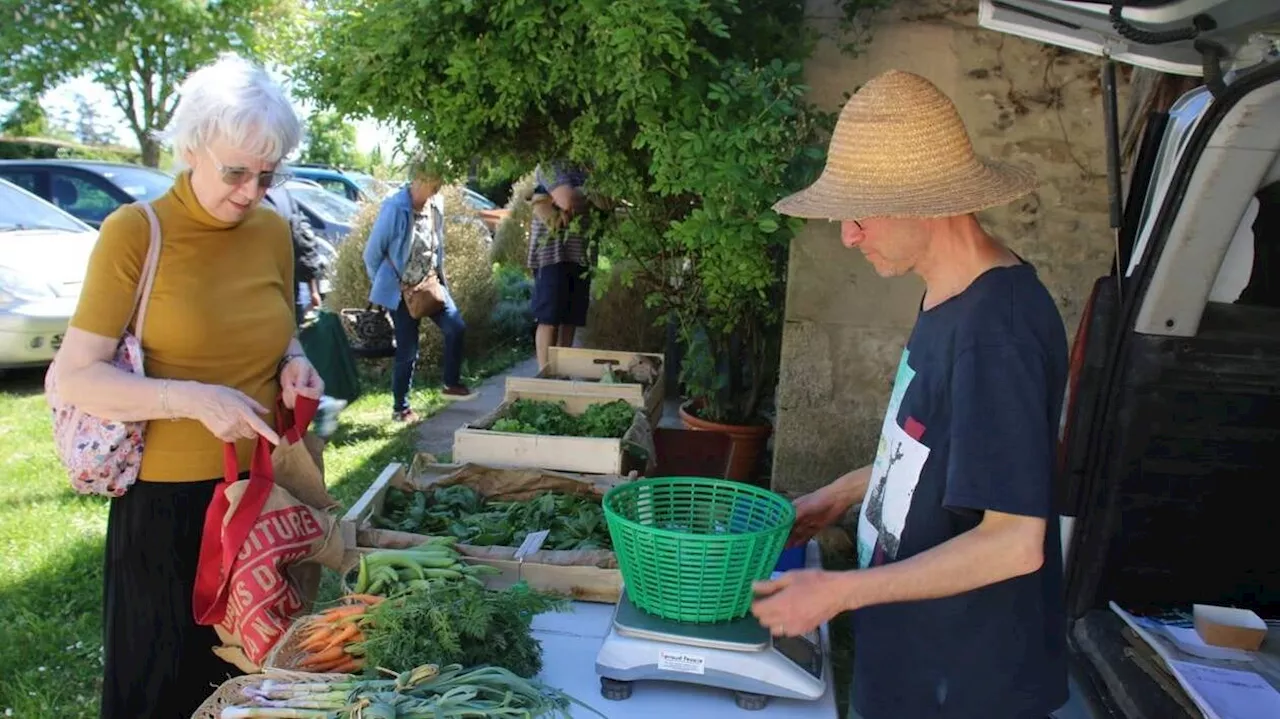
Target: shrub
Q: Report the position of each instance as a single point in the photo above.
(511, 241)
(618, 318)
(469, 272)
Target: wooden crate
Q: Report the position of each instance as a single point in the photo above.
(560, 572)
(478, 444)
(581, 370)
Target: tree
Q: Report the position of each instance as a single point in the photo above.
(139, 50)
(89, 128)
(690, 117)
(331, 141)
(28, 119)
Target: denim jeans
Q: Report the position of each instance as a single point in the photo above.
(406, 332)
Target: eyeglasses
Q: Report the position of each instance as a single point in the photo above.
(859, 224)
(240, 175)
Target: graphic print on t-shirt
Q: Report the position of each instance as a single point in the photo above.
(900, 458)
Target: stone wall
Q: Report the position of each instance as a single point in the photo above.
(1023, 102)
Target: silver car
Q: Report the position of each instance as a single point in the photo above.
(44, 253)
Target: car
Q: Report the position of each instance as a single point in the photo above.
(489, 212)
(330, 215)
(88, 189)
(44, 253)
(333, 180)
(1167, 456)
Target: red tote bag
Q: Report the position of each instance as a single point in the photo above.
(257, 535)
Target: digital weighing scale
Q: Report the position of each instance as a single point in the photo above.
(739, 656)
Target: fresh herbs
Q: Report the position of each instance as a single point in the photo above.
(458, 623)
(573, 521)
(527, 416)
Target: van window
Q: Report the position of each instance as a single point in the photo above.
(1250, 272)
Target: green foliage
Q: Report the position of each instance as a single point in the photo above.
(458, 623)
(331, 140)
(690, 117)
(529, 416)
(139, 50)
(27, 119)
(572, 521)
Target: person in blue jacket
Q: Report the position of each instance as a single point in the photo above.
(408, 239)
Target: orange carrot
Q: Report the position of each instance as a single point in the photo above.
(367, 599)
(347, 666)
(318, 639)
(341, 637)
(339, 612)
(322, 658)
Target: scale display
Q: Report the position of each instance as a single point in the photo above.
(802, 652)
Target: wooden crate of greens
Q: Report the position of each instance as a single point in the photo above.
(577, 559)
(564, 431)
(638, 377)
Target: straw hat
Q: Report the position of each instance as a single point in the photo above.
(901, 150)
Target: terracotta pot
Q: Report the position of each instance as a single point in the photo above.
(746, 442)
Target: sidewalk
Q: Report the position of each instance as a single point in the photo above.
(436, 432)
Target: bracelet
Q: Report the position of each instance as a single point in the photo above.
(284, 361)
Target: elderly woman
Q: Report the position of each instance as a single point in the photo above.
(220, 351)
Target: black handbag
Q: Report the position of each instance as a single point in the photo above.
(371, 331)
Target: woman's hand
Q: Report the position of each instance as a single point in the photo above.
(228, 413)
(299, 377)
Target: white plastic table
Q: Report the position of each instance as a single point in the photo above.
(571, 640)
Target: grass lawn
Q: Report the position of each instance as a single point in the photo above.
(51, 540)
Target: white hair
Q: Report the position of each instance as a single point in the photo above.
(236, 101)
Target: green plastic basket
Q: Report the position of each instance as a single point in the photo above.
(689, 548)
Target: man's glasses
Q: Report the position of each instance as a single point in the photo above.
(237, 176)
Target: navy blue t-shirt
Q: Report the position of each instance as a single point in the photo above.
(971, 426)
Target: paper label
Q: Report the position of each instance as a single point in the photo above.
(532, 543)
(681, 662)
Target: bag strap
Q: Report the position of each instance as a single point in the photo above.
(304, 410)
(222, 539)
(142, 295)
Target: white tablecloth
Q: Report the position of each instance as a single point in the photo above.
(570, 641)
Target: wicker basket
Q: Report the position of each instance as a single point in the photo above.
(232, 690)
(286, 655)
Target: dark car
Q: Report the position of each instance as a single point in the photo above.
(331, 179)
(87, 189)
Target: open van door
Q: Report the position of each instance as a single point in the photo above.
(1171, 36)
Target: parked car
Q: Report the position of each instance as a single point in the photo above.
(1168, 453)
(489, 212)
(333, 180)
(331, 216)
(87, 189)
(44, 253)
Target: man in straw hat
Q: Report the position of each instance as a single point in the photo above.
(957, 600)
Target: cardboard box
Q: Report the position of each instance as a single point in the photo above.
(1229, 627)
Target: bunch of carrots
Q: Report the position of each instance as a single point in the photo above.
(332, 641)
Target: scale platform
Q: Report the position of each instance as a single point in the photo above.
(739, 656)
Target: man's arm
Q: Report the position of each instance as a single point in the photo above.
(1002, 546)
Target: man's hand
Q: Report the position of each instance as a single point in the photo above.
(799, 601)
(816, 511)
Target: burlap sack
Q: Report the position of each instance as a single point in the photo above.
(265, 540)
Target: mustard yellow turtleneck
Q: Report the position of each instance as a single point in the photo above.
(221, 312)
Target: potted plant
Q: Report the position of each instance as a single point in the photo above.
(756, 141)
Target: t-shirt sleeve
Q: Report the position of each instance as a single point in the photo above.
(1002, 454)
(111, 279)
